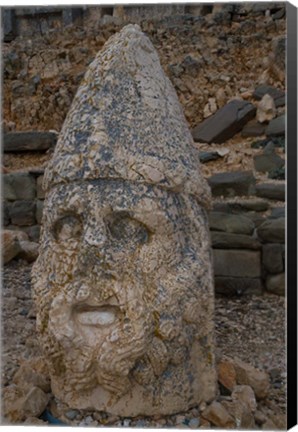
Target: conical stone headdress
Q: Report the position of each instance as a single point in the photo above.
(126, 123)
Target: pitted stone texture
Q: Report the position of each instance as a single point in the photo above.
(123, 282)
(126, 122)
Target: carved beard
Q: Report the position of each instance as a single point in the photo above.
(104, 352)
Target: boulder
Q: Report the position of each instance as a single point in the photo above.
(237, 263)
(248, 375)
(230, 184)
(272, 231)
(272, 258)
(241, 414)
(225, 123)
(223, 240)
(22, 213)
(11, 246)
(274, 191)
(276, 126)
(217, 415)
(276, 284)
(20, 404)
(33, 372)
(237, 224)
(18, 186)
(245, 394)
(226, 375)
(28, 141)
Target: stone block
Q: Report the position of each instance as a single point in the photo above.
(237, 263)
(238, 286)
(10, 246)
(22, 213)
(230, 184)
(39, 189)
(223, 240)
(277, 212)
(276, 284)
(272, 258)
(28, 141)
(18, 186)
(39, 210)
(237, 224)
(241, 206)
(274, 191)
(272, 231)
(6, 219)
(225, 123)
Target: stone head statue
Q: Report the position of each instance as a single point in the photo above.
(123, 283)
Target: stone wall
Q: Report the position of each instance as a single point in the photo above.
(247, 234)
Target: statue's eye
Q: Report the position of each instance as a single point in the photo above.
(67, 228)
(123, 227)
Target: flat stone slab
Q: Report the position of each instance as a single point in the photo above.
(257, 205)
(272, 231)
(274, 191)
(225, 123)
(28, 141)
(230, 184)
(231, 286)
(253, 129)
(277, 126)
(237, 263)
(223, 240)
(274, 92)
(208, 156)
(18, 186)
(268, 162)
(236, 224)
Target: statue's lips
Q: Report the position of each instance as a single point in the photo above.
(99, 316)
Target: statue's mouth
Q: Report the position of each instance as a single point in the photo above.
(98, 316)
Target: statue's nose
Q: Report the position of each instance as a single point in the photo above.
(96, 235)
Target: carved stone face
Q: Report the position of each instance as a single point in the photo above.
(123, 288)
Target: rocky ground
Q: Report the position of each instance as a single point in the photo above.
(251, 329)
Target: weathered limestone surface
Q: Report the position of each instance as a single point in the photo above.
(123, 282)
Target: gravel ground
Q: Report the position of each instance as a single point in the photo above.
(250, 328)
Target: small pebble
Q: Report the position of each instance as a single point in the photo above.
(71, 414)
(126, 422)
(194, 423)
